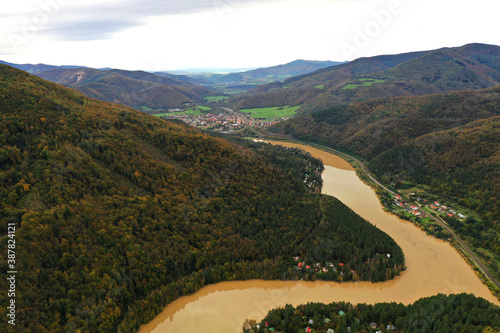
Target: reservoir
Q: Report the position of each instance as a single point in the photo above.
(433, 267)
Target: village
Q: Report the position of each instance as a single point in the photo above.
(417, 211)
(220, 122)
(220, 119)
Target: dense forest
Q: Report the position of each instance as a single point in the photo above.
(118, 213)
(440, 313)
(447, 143)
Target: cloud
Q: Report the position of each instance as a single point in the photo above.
(93, 29)
(101, 21)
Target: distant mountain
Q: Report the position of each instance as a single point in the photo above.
(185, 78)
(447, 142)
(137, 89)
(274, 73)
(35, 69)
(473, 66)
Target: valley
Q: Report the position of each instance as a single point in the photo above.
(433, 267)
(165, 202)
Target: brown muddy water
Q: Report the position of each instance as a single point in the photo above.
(433, 267)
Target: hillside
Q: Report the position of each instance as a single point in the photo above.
(118, 213)
(473, 66)
(137, 89)
(446, 142)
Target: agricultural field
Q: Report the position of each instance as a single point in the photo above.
(216, 98)
(365, 82)
(272, 112)
(196, 111)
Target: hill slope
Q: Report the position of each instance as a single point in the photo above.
(136, 89)
(118, 213)
(472, 66)
(447, 142)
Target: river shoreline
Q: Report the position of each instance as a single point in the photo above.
(433, 266)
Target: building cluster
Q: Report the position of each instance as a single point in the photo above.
(436, 206)
(414, 210)
(215, 121)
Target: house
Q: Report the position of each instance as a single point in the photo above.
(391, 327)
(311, 321)
(330, 330)
(341, 313)
(308, 330)
(373, 325)
(397, 197)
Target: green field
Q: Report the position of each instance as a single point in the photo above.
(272, 112)
(365, 82)
(216, 98)
(320, 86)
(196, 111)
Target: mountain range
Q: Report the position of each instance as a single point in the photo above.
(161, 91)
(473, 66)
(271, 74)
(137, 89)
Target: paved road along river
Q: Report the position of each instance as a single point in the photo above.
(433, 267)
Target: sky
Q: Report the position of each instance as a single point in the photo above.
(157, 35)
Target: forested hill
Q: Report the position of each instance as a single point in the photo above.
(447, 142)
(137, 89)
(118, 213)
(472, 66)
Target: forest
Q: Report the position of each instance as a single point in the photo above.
(440, 313)
(445, 143)
(118, 213)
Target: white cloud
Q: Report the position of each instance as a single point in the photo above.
(156, 34)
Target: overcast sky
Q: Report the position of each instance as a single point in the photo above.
(177, 34)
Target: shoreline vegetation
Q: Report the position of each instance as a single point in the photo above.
(440, 313)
